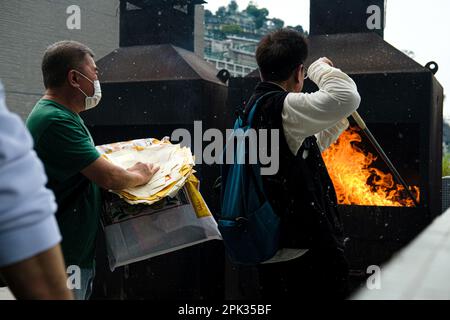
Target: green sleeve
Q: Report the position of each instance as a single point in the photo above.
(66, 149)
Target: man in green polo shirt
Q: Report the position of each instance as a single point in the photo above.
(73, 165)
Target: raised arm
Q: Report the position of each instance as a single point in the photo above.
(308, 114)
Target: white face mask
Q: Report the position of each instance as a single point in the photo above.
(92, 102)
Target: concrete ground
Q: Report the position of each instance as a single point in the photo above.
(5, 294)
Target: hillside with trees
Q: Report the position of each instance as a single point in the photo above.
(252, 20)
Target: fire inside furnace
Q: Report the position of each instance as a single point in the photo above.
(357, 181)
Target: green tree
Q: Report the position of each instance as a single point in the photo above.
(446, 165)
(221, 12)
(446, 133)
(232, 7)
(259, 15)
(231, 29)
(208, 14)
(278, 23)
(446, 158)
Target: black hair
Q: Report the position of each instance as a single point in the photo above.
(59, 59)
(280, 53)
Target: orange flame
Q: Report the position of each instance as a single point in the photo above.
(355, 179)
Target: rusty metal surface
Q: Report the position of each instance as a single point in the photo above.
(359, 53)
(154, 63)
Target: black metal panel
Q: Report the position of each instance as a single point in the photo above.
(147, 104)
(378, 226)
(194, 273)
(436, 105)
(375, 234)
(157, 22)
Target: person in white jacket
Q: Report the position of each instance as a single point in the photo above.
(31, 261)
(310, 261)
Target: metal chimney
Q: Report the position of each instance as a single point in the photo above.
(152, 22)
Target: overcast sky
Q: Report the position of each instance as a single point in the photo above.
(420, 26)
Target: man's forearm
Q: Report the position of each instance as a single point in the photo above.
(40, 277)
(121, 179)
(111, 177)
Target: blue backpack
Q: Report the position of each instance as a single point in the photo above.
(249, 226)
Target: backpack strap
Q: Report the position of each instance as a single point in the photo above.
(255, 169)
(240, 122)
(256, 105)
